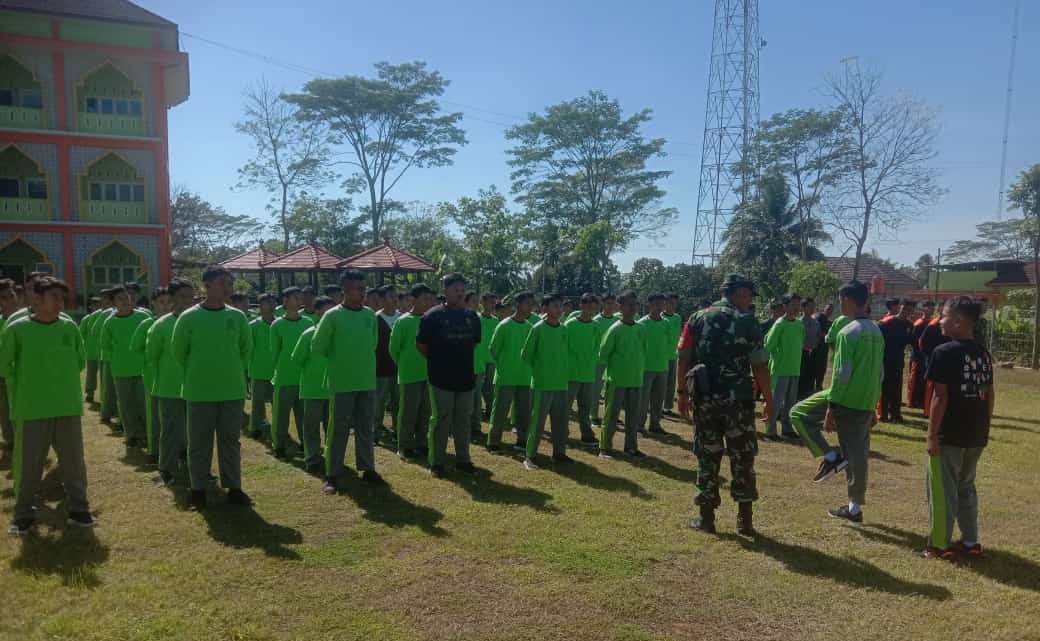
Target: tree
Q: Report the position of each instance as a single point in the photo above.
(388, 124)
(765, 234)
(996, 240)
(923, 268)
(201, 232)
(423, 231)
(1024, 196)
(813, 279)
(331, 223)
(892, 143)
(810, 149)
(582, 162)
(493, 251)
(692, 283)
(291, 154)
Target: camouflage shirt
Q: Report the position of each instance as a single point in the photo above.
(727, 341)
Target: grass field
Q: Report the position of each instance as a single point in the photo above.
(596, 550)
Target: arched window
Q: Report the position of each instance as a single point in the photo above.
(114, 264)
(108, 102)
(112, 192)
(23, 187)
(21, 96)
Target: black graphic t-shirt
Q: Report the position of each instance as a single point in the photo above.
(966, 368)
(451, 336)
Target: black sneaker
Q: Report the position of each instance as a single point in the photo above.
(597, 422)
(830, 468)
(81, 519)
(590, 438)
(466, 468)
(238, 497)
(279, 453)
(843, 513)
(166, 479)
(21, 527)
(407, 453)
(198, 499)
(437, 471)
(476, 436)
(562, 458)
(790, 436)
(371, 477)
(656, 430)
(634, 453)
(770, 437)
(314, 468)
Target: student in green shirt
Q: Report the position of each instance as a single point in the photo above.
(109, 408)
(547, 354)
(261, 366)
(127, 366)
(488, 323)
(212, 344)
(512, 374)
(160, 307)
(481, 356)
(313, 391)
(285, 333)
(659, 347)
(671, 309)
(784, 343)
(8, 306)
(604, 320)
(413, 419)
(347, 336)
(90, 345)
(583, 339)
(45, 351)
(240, 301)
(307, 299)
(624, 351)
(168, 380)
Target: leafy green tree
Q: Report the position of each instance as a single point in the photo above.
(493, 248)
(331, 223)
(692, 283)
(423, 231)
(290, 155)
(1024, 196)
(813, 279)
(582, 162)
(202, 232)
(387, 125)
(995, 240)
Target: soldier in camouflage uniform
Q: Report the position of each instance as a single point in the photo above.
(727, 341)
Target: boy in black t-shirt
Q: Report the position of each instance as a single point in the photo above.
(961, 374)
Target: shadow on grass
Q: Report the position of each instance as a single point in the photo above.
(1013, 428)
(1031, 421)
(72, 554)
(917, 437)
(666, 469)
(671, 438)
(242, 527)
(383, 505)
(885, 458)
(483, 488)
(853, 572)
(999, 565)
(138, 459)
(589, 476)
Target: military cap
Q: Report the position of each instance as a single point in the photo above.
(732, 281)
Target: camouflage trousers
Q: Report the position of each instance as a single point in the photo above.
(725, 427)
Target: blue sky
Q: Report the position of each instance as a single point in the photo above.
(507, 59)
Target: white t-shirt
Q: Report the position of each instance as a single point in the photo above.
(388, 318)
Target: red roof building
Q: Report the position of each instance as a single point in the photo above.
(387, 259)
(250, 261)
(307, 258)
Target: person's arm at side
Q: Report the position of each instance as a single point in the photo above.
(395, 343)
(140, 337)
(496, 342)
(422, 338)
(323, 336)
(245, 341)
(276, 341)
(7, 354)
(843, 364)
(153, 346)
(940, 401)
(685, 349)
(760, 372)
(105, 338)
(529, 352)
(81, 351)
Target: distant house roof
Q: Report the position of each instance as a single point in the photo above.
(112, 10)
(387, 258)
(306, 258)
(249, 261)
(869, 267)
(1011, 275)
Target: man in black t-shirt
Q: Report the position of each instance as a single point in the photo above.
(448, 335)
(961, 374)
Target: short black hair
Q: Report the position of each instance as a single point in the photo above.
(265, 298)
(965, 306)
(808, 301)
(116, 291)
(655, 297)
(132, 285)
(790, 297)
(213, 272)
(332, 289)
(321, 302)
(856, 291)
(44, 284)
(552, 298)
(178, 284)
(608, 296)
(160, 291)
(776, 303)
(673, 297)
(488, 296)
(891, 302)
(306, 289)
(289, 291)
(348, 275)
(420, 289)
(452, 279)
(628, 294)
(522, 296)
(470, 295)
(587, 298)
(5, 284)
(238, 297)
(909, 302)
(545, 299)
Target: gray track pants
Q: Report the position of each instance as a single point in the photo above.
(130, 396)
(619, 398)
(91, 384)
(505, 397)
(785, 395)
(350, 410)
(109, 409)
(36, 437)
(450, 413)
(262, 393)
(6, 425)
(600, 370)
(413, 421)
(474, 417)
(386, 393)
(173, 428)
(552, 404)
(669, 392)
(853, 428)
(951, 494)
(315, 414)
(585, 394)
(286, 400)
(651, 401)
(223, 420)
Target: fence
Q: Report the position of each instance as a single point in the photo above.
(1013, 346)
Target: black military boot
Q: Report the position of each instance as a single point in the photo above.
(706, 522)
(744, 524)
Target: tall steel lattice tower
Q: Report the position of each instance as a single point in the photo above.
(730, 120)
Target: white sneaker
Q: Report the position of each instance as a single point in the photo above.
(529, 464)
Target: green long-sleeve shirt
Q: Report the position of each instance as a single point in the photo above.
(784, 343)
(545, 352)
(604, 323)
(116, 338)
(43, 362)
(158, 355)
(284, 336)
(213, 347)
(347, 338)
(90, 340)
(138, 345)
(411, 364)
(583, 339)
(261, 360)
(624, 351)
(311, 366)
(675, 323)
(659, 345)
(507, 344)
(95, 331)
(858, 365)
(837, 325)
(487, 330)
